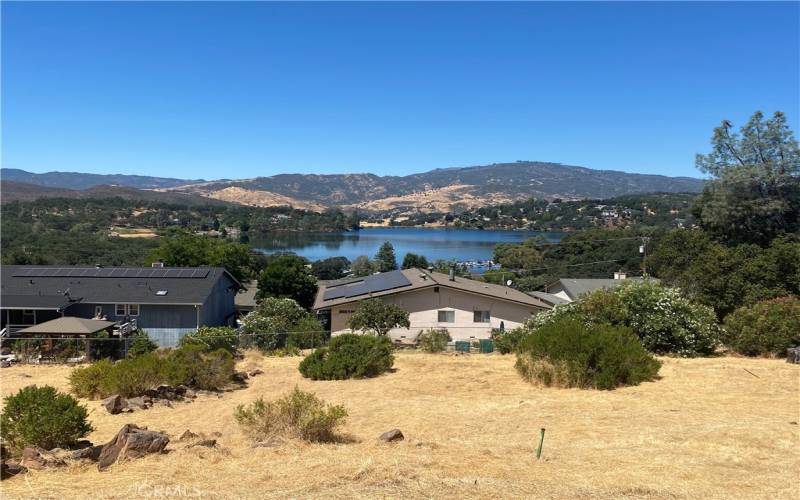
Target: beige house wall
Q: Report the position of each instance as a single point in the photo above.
(423, 306)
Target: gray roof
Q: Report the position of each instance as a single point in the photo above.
(246, 298)
(549, 298)
(575, 287)
(68, 325)
(26, 286)
(414, 279)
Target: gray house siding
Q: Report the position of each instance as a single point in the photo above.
(219, 307)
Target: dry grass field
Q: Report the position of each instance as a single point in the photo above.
(706, 429)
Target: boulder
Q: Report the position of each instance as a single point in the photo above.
(392, 435)
(11, 469)
(115, 404)
(91, 453)
(34, 457)
(240, 377)
(129, 443)
(793, 355)
(167, 392)
(142, 402)
(255, 372)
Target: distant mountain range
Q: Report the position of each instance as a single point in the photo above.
(449, 189)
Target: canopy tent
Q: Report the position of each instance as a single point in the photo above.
(67, 325)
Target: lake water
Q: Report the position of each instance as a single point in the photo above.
(434, 243)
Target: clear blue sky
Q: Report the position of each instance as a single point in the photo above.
(237, 90)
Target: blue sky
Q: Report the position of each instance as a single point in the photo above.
(213, 90)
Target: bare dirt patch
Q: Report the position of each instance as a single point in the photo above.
(706, 429)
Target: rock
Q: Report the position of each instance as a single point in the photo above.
(392, 435)
(34, 457)
(240, 377)
(5, 364)
(115, 404)
(11, 469)
(131, 442)
(142, 402)
(91, 453)
(167, 392)
(188, 436)
(793, 355)
(255, 372)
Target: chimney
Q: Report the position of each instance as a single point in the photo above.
(453, 272)
(620, 275)
(157, 263)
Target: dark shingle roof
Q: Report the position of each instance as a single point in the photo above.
(575, 287)
(21, 284)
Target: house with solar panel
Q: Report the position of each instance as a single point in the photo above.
(165, 302)
(468, 309)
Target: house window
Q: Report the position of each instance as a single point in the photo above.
(447, 316)
(133, 309)
(120, 310)
(481, 317)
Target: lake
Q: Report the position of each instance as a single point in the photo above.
(434, 243)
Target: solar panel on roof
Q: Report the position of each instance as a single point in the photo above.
(370, 284)
(110, 272)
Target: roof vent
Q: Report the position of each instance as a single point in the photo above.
(157, 263)
(161, 293)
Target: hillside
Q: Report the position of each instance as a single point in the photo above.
(23, 191)
(450, 189)
(78, 180)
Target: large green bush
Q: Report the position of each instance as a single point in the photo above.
(44, 417)
(568, 353)
(349, 356)
(766, 328)
(190, 365)
(277, 323)
(664, 320)
(433, 340)
(298, 414)
(211, 338)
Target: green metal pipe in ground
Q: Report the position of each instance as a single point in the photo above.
(541, 443)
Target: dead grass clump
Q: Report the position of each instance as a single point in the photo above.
(547, 373)
(299, 414)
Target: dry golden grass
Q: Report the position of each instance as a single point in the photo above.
(707, 429)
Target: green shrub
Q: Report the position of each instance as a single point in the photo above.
(433, 340)
(507, 341)
(212, 338)
(349, 356)
(141, 344)
(91, 381)
(192, 366)
(277, 322)
(44, 417)
(568, 353)
(765, 328)
(664, 320)
(298, 414)
(189, 365)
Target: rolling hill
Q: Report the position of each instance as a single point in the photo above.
(452, 189)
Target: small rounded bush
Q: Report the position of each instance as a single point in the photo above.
(766, 328)
(433, 340)
(191, 365)
(298, 414)
(568, 353)
(349, 356)
(44, 417)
